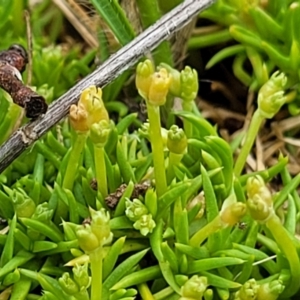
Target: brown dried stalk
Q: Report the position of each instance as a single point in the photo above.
(109, 70)
(13, 62)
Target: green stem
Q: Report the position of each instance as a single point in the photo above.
(210, 39)
(188, 127)
(250, 137)
(96, 269)
(174, 160)
(100, 170)
(157, 149)
(288, 248)
(73, 162)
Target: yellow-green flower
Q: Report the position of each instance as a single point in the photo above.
(99, 132)
(87, 239)
(259, 203)
(233, 213)
(248, 291)
(145, 224)
(271, 95)
(194, 288)
(184, 84)
(68, 284)
(159, 87)
(144, 72)
(89, 110)
(189, 84)
(177, 141)
(100, 225)
(152, 86)
(135, 209)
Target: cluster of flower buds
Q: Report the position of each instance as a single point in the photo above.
(177, 140)
(154, 86)
(96, 234)
(271, 95)
(260, 203)
(194, 288)
(137, 212)
(90, 116)
(77, 284)
(267, 291)
(184, 84)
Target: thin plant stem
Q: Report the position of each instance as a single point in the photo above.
(188, 127)
(100, 170)
(73, 162)
(174, 160)
(96, 269)
(250, 137)
(157, 149)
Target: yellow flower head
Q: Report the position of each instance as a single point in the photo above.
(89, 110)
(159, 87)
(152, 86)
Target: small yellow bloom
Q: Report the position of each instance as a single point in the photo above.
(144, 72)
(159, 87)
(259, 203)
(78, 118)
(233, 213)
(152, 86)
(89, 110)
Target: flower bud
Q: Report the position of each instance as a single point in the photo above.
(177, 141)
(67, 284)
(100, 225)
(87, 240)
(135, 209)
(271, 95)
(91, 98)
(194, 288)
(183, 84)
(145, 224)
(99, 133)
(159, 88)
(81, 276)
(259, 203)
(24, 206)
(248, 291)
(78, 118)
(143, 79)
(270, 290)
(189, 84)
(89, 110)
(43, 213)
(259, 209)
(233, 213)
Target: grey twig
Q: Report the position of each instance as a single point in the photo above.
(104, 74)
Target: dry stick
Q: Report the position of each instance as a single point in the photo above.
(104, 74)
(29, 47)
